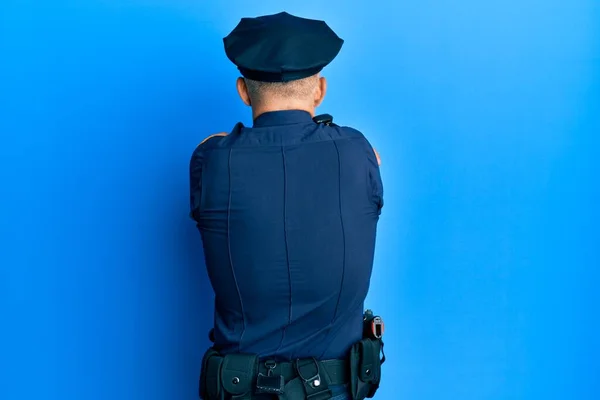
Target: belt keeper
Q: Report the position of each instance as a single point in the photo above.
(315, 387)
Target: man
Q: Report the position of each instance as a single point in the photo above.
(287, 211)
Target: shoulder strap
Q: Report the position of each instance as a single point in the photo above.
(212, 136)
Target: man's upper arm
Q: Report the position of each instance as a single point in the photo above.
(374, 161)
(377, 156)
(196, 163)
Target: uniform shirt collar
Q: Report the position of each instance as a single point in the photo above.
(286, 117)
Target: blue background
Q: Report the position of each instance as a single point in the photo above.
(486, 116)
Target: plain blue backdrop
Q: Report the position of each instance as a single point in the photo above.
(486, 116)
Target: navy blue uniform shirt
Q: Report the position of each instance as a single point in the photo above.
(287, 212)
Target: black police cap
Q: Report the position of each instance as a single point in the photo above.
(281, 47)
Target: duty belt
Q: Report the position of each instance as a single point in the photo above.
(336, 372)
(244, 377)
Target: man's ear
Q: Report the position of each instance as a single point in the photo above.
(242, 90)
(321, 91)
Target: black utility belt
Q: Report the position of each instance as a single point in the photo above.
(242, 376)
(245, 376)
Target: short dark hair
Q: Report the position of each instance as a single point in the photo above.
(297, 89)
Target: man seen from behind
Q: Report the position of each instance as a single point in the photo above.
(287, 210)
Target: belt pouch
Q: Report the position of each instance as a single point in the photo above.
(365, 368)
(238, 374)
(210, 376)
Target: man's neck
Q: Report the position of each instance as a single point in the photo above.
(257, 111)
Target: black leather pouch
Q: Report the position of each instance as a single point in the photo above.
(210, 376)
(238, 374)
(365, 368)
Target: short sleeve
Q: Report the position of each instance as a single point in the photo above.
(195, 171)
(374, 161)
(196, 182)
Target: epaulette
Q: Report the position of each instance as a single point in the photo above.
(327, 119)
(212, 136)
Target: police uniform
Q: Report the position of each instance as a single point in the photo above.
(287, 210)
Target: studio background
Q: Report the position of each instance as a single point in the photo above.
(486, 116)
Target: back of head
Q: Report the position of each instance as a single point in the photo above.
(283, 95)
(280, 57)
